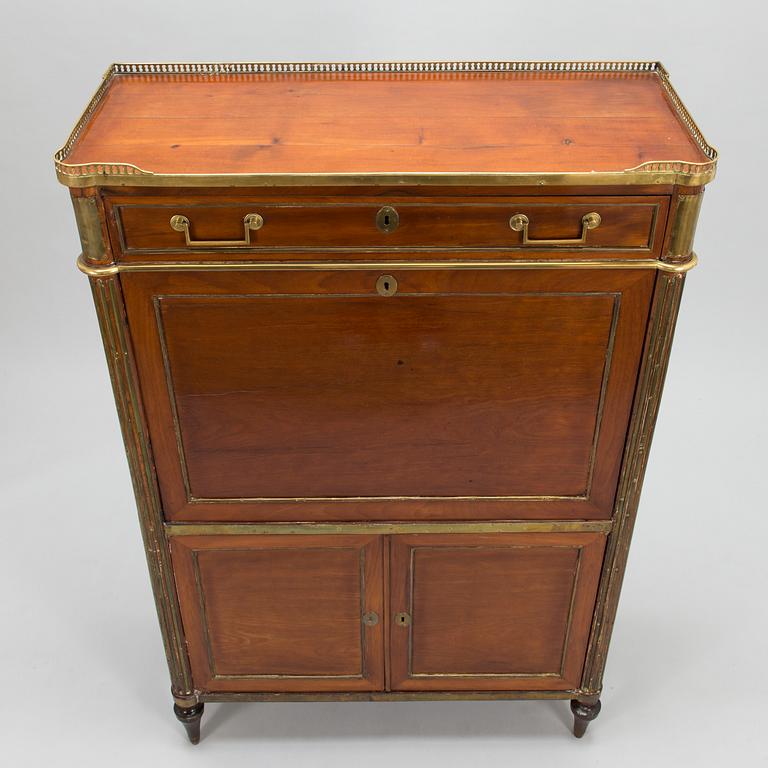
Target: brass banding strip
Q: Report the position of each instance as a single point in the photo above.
(513, 526)
(163, 266)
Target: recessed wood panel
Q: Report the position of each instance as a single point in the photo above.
(494, 612)
(282, 613)
(308, 395)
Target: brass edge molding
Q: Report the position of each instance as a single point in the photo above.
(110, 311)
(116, 173)
(666, 303)
(89, 227)
(679, 172)
(683, 227)
(93, 270)
(516, 526)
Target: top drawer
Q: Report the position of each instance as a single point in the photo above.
(631, 224)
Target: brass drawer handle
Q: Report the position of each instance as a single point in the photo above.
(403, 619)
(370, 619)
(252, 221)
(519, 222)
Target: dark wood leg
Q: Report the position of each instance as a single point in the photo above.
(190, 718)
(583, 714)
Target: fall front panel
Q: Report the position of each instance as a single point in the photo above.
(466, 394)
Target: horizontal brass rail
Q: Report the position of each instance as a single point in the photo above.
(217, 266)
(387, 696)
(516, 526)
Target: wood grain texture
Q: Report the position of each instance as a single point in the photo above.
(282, 613)
(492, 612)
(466, 383)
(435, 123)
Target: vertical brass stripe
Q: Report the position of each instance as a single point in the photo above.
(574, 592)
(603, 392)
(195, 554)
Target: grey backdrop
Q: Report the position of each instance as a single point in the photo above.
(83, 675)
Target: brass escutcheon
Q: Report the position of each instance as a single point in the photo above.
(386, 285)
(403, 619)
(370, 619)
(387, 219)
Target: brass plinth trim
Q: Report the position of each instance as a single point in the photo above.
(162, 266)
(513, 526)
(392, 696)
(118, 173)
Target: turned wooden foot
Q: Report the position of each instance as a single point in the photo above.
(190, 718)
(583, 715)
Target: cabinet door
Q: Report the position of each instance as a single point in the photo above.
(282, 613)
(492, 612)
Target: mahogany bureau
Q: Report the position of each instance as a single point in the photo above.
(387, 343)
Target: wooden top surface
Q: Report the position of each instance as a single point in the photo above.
(386, 122)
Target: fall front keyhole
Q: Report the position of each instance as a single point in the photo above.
(386, 285)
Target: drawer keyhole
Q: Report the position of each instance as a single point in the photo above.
(387, 219)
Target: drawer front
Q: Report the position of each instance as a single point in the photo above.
(457, 394)
(492, 612)
(524, 225)
(282, 613)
